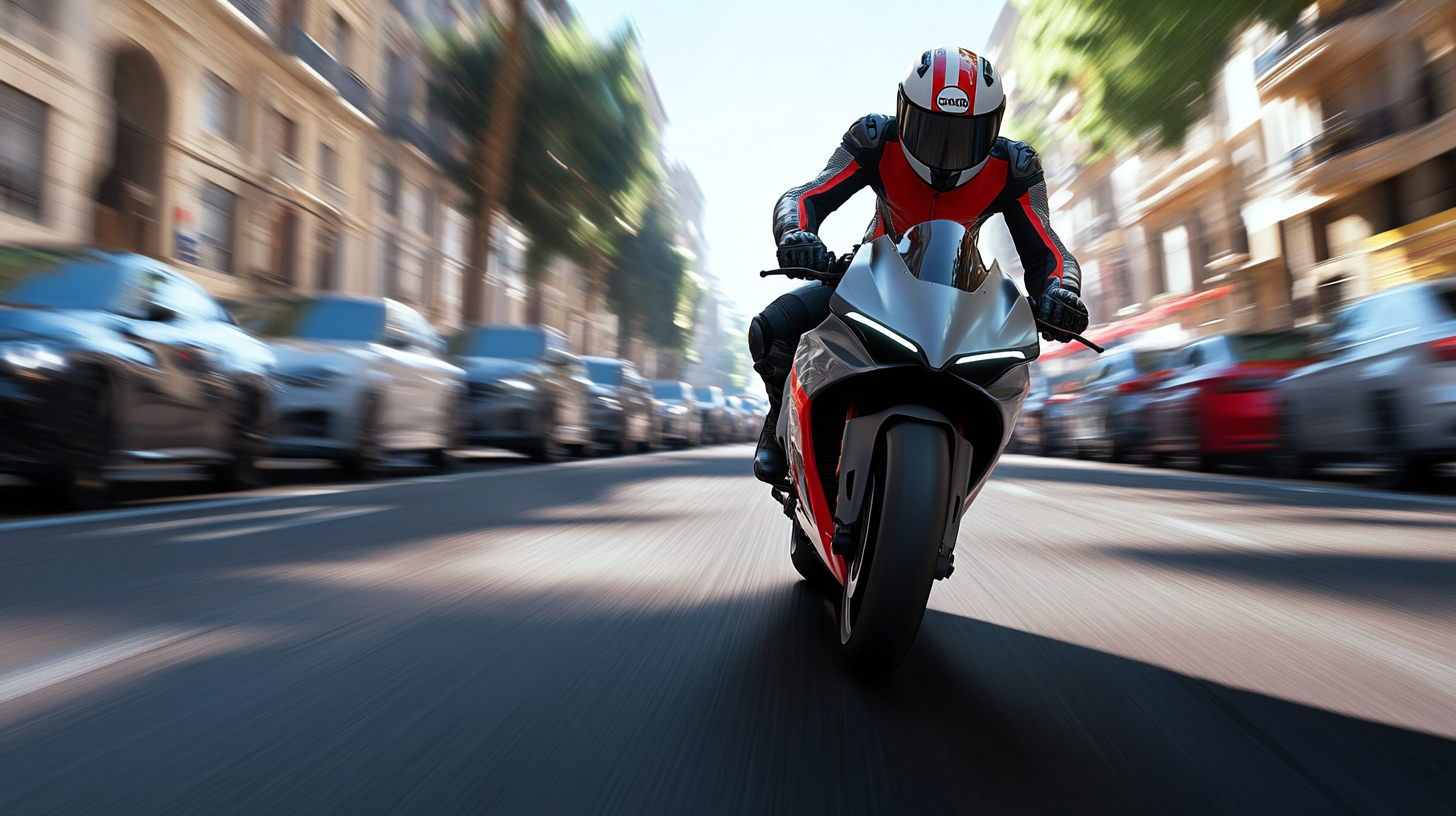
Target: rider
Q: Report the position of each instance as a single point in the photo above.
(940, 157)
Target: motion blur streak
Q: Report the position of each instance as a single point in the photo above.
(627, 635)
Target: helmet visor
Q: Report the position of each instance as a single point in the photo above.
(948, 141)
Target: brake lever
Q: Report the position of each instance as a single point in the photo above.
(802, 272)
(1079, 338)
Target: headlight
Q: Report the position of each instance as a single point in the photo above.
(884, 343)
(30, 358)
(308, 376)
(605, 401)
(986, 367)
(518, 385)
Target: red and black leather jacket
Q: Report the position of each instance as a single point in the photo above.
(1010, 183)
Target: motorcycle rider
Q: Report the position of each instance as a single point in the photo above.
(940, 157)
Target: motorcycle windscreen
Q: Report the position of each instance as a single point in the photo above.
(943, 252)
(932, 290)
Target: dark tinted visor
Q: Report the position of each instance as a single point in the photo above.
(943, 252)
(948, 141)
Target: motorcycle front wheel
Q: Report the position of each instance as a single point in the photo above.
(901, 527)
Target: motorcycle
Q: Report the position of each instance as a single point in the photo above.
(897, 408)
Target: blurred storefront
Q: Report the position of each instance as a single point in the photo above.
(259, 145)
(1324, 170)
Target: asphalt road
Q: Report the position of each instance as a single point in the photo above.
(627, 635)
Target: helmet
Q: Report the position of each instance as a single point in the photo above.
(949, 113)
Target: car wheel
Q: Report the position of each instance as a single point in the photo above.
(442, 460)
(548, 449)
(248, 439)
(368, 456)
(81, 482)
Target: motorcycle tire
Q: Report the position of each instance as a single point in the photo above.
(901, 527)
(807, 563)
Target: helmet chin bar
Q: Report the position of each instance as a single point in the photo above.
(940, 180)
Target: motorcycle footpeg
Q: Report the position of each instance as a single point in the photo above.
(843, 542)
(944, 563)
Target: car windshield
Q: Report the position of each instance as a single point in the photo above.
(1146, 362)
(704, 393)
(506, 344)
(667, 390)
(341, 320)
(56, 280)
(1273, 346)
(604, 373)
(943, 252)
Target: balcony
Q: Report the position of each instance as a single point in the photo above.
(1302, 33)
(402, 126)
(256, 10)
(323, 63)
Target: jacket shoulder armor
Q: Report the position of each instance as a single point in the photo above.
(1020, 157)
(868, 133)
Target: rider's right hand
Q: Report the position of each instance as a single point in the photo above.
(802, 248)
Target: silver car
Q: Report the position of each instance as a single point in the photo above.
(528, 393)
(1383, 389)
(358, 378)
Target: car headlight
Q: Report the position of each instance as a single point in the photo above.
(308, 376)
(31, 358)
(517, 385)
(604, 401)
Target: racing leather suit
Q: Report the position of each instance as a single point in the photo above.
(1010, 183)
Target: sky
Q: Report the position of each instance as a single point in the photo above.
(759, 93)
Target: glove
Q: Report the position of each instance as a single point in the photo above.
(1062, 309)
(801, 248)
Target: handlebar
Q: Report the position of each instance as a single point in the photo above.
(804, 273)
(1079, 338)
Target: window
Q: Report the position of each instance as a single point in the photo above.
(22, 152)
(326, 272)
(285, 135)
(386, 187)
(215, 228)
(329, 164)
(186, 298)
(219, 107)
(285, 246)
(341, 39)
(1177, 265)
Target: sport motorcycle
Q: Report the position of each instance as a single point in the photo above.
(897, 409)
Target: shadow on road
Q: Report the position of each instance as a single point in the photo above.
(1426, 585)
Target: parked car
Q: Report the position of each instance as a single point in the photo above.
(682, 422)
(1219, 404)
(717, 421)
(359, 379)
(528, 393)
(1383, 388)
(112, 361)
(621, 406)
(1027, 437)
(743, 418)
(1106, 419)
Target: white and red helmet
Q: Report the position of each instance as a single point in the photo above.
(949, 113)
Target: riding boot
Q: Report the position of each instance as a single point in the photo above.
(770, 464)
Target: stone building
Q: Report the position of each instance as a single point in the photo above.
(1323, 171)
(258, 145)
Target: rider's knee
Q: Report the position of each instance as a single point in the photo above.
(760, 338)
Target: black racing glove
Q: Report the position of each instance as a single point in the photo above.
(802, 248)
(1063, 310)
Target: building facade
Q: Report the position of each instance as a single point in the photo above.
(258, 145)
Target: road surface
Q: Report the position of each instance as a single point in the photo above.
(627, 636)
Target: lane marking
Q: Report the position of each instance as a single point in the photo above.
(1016, 489)
(157, 510)
(48, 671)
(318, 518)
(195, 522)
(1211, 532)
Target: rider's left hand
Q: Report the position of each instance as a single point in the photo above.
(1063, 309)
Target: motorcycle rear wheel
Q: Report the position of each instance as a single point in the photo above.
(901, 527)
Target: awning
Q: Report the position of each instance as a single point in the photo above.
(1103, 335)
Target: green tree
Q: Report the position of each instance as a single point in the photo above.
(649, 286)
(584, 162)
(1143, 68)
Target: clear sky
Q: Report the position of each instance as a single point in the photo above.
(759, 93)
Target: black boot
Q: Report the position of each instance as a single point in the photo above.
(770, 464)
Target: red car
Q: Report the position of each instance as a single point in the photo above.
(1218, 403)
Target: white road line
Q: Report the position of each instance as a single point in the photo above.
(1210, 532)
(328, 515)
(197, 522)
(48, 671)
(1016, 489)
(157, 510)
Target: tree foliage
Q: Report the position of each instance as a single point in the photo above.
(649, 286)
(1143, 68)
